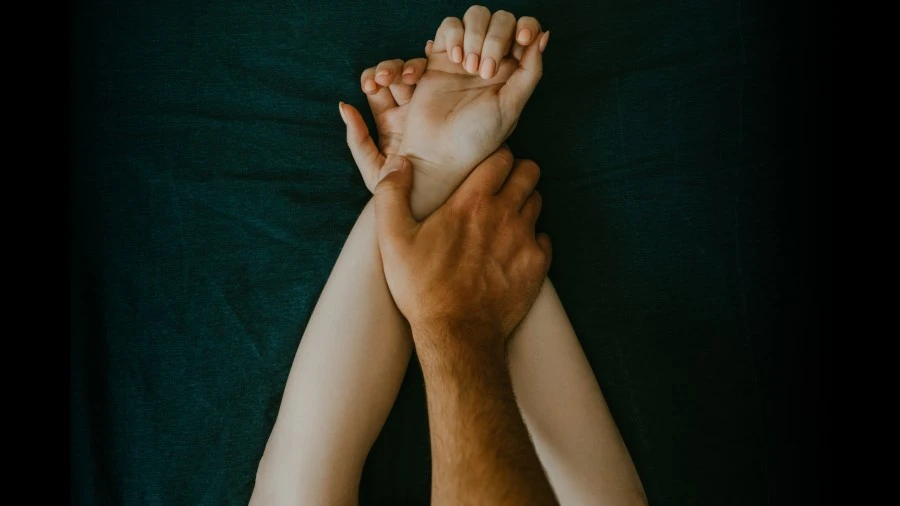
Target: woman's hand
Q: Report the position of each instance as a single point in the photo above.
(478, 78)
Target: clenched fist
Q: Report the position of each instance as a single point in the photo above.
(466, 275)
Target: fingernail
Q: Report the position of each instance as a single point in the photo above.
(370, 86)
(487, 68)
(341, 110)
(524, 36)
(456, 54)
(383, 73)
(544, 40)
(408, 70)
(472, 63)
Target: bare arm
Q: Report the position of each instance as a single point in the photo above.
(463, 286)
(480, 450)
(354, 352)
(343, 382)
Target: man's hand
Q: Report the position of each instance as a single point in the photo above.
(464, 278)
(475, 263)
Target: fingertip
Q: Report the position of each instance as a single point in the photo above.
(456, 54)
(341, 110)
(412, 71)
(545, 38)
(488, 68)
(472, 63)
(370, 86)
(401, 162)
(357, 131)
(397, 164)
(408, 75)
(524, 36)
(505, 157)
(383, 77)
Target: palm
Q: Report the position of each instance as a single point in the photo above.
(455, 120)
(445, 124)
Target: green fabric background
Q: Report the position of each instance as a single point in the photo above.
(212, 191)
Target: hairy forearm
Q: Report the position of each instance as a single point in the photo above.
(480, 449)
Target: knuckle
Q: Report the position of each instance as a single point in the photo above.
(383, 186)
(478, 10)
(531, 169)
(504, 157)
(496, 39)
(465, 205)
(504, 15)
(451, 28)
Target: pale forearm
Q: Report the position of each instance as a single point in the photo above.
(570, 424)
(344, 379)
(480, 449)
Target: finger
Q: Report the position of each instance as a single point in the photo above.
(380, 98)
(532, 208)
(449, 38)
(476, 23)
(488, 177)
(527, 30)
(403, 87)
(393, 216)
(518, 88)
(413, 70)
(402, 93)
(499, 37)
(365, 154)
(520, 183)
(517, 51)
(388, 72)
(428, 47)
(543, 241)
(367, 81)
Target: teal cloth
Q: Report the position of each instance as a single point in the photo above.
(213, 190)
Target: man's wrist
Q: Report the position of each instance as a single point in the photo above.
(454, 345)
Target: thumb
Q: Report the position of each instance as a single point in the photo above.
(518, 88)
(366, 155)
(393, 216)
